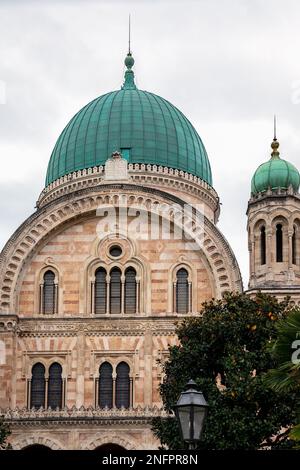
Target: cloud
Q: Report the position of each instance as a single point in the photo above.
(17, 202)
(227, 65)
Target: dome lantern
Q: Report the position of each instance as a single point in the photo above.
(129, 74)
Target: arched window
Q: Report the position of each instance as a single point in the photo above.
(123, 386)
(182, 291)
(294, 246)
(262, 245)
(38, 386)
(115, 291)
(279, 247)
(55, 386)
(105, 398)
(111, 448)
(36, 447)
(130, 291)
(49, 296)
(100, 291)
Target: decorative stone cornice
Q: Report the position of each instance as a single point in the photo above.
(137, 173)
(80, 416)
(275, 194)
(275, 289)
(91, 326)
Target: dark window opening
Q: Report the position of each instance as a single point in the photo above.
(55, 386)
(123, 386)
(38, 386)
(112, 448)
(182, 291)
(115, 251)
(36, 447)
(130, 291)
(115, 291)
(279, 247)
(49, 293)
(262, 245)
(294, 246)
(100, 292)
(105, 398)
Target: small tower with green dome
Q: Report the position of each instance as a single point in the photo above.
(275, 174)
(274, 227)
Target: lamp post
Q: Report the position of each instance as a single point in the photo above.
(191, 410)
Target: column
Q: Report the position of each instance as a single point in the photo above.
(148, 365)
(290, 249)
(269, 248)
(252, 258)
(122, 294)
(41, 303)
(114, 390)
(93, 297)
(131, 393)
(63, 401)
(137, 307)
(96, 391)
(107, 293)
(14, 368)
(190, 297)
(28, 393)
(46, 392)
(174, 297)
(80, 350)
(56, 297)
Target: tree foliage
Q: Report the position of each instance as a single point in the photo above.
(4, 433)
(286, 350)
(227, 351)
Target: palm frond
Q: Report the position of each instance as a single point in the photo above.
(285, 351)
(295, 433)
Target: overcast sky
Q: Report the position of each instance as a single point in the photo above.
(228, 65)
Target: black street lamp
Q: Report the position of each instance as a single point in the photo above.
(191, 410)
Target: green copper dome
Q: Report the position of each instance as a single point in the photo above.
(144, 127)
(274, 174)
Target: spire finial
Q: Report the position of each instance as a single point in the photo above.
(129, 36)
(275, 143)
(129, 62)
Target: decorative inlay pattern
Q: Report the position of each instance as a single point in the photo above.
(85, 202)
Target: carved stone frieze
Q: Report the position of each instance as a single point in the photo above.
(95, 327)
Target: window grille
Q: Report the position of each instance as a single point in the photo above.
(49, 299)
(55, 386)
(130, 291)
(115, 291)
(100, 291)
(38, 386)
(123, 386)
(105, 398)
(182, 291)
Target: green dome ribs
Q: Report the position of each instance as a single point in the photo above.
(150, 128)
(275, 174)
